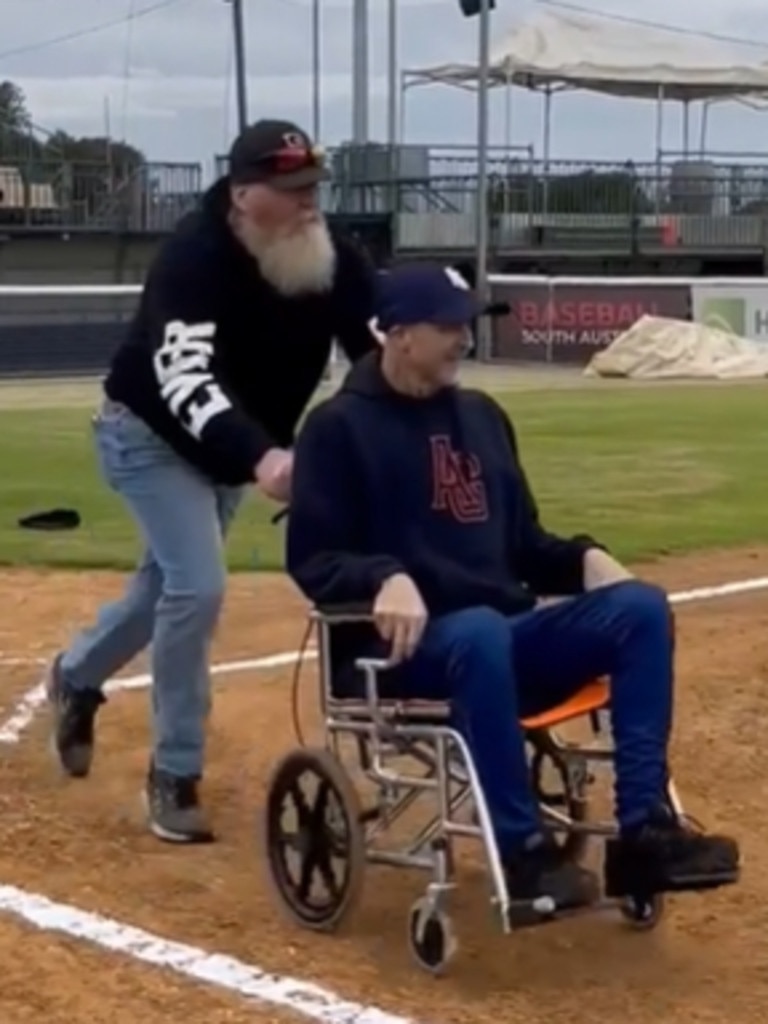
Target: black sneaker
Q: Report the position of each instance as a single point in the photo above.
(669, 855)
(542, 884)
(173, 808)
(74, 714)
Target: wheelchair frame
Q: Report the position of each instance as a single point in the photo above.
(444, 770)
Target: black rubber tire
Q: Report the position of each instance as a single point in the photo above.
(331, 773)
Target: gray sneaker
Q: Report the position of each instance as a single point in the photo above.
(74, 714)
(173, 808)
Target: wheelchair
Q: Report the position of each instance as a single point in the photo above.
(341, 827)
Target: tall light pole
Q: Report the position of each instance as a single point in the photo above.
(316, 69)
(392, 81)
(241, 71)
(393, 163)
(360, 83)
(481, 238)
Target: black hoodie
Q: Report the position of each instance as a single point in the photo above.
(216, 361)
(434, 488)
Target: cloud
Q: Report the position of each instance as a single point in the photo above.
(166, 78)
(80, 100)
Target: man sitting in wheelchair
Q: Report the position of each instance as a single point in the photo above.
(409, 495)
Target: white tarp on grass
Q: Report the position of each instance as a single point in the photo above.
(658, 347)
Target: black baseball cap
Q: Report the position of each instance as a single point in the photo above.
(276, 153)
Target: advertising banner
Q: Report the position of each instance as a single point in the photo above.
(569, 323)
(740, 309)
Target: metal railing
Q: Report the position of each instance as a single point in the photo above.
(431, 192)
(568, 187)
(36, 193)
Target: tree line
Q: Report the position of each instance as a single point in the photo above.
(75, 170)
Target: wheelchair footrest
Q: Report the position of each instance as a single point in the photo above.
(527, 915)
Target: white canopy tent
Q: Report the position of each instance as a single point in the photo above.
(615, 57)
(551, 52)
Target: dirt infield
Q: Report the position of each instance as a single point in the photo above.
(82, 843)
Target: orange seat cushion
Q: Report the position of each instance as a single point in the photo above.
(592, 697)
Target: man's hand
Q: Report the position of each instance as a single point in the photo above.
(400, 616)
(273, 474)
(601, 570)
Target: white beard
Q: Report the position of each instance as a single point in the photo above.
(299, 263)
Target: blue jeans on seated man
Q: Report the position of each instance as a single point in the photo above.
(174, 599)
(496, 670)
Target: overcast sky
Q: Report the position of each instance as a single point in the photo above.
(165, 79)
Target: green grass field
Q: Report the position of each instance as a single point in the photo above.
(648, 470)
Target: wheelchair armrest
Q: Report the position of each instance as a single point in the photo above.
(335, 613)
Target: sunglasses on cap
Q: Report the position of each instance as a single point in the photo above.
(292, 158)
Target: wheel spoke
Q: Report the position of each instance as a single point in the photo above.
(308, 865)
(289, 841)
(325, 867)
(316, 833)
(303, 810)
(320, 806)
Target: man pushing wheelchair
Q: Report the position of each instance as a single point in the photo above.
(409, 495)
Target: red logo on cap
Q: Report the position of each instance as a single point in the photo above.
(292, 140)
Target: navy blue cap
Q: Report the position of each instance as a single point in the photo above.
(424, 293)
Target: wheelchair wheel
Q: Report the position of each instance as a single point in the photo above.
(643, 913)
(431, 937)
(315, 845)
(561, 782)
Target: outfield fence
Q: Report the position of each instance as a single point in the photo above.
(62, 330)
(72, 330)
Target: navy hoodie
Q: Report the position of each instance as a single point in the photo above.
(432, 487)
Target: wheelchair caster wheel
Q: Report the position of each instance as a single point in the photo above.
(315, 846)
(430, 936)
(642, 913)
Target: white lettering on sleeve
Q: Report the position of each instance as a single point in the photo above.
(182, 366)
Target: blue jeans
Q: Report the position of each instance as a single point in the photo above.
(496, 670)
(174, 598)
